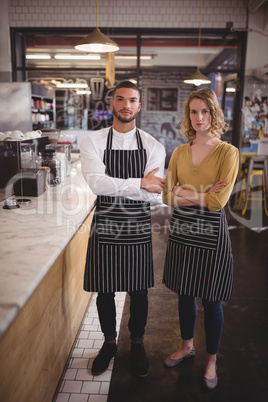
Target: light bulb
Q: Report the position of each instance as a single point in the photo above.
(197, 82)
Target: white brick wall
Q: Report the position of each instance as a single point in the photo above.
(127, 13)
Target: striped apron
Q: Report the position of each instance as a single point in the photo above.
(119, 255)
(199, 259)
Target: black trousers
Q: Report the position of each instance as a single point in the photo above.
(138, 314)
(213, 321)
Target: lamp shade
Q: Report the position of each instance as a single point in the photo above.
(197, 79)
(96, 41)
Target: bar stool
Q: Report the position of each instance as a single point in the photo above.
(254, 166)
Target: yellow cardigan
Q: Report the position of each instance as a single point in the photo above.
(220, 164)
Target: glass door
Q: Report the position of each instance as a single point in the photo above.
(228, 106)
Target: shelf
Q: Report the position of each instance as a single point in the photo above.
(45, 124)
(43, 107)
(42, 110)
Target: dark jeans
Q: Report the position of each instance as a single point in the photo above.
(213, 321)
(138, 314)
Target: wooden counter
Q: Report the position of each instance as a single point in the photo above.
(42, 290)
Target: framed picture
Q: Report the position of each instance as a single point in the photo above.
(162, 99)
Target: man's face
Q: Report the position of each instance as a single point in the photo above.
(126, 104)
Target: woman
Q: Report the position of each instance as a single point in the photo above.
(199, 262)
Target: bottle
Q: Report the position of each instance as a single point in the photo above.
(49, 159)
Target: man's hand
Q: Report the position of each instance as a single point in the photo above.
(152, 183)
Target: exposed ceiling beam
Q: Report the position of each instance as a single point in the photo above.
(254, 5)
(225, 57)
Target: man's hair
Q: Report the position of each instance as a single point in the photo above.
(126, 84)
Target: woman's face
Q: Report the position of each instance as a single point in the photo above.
(200, 116)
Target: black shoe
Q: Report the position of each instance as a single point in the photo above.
(104, 357)
(139, 360)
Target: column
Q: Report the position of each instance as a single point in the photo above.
(5, 51)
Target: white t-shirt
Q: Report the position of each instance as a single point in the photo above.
(92, 149)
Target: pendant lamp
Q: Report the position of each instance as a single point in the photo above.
(96, 41)
(198, 78)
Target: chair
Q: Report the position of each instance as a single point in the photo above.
(254, 166)
(263, 146)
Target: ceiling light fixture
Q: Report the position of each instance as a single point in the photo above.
(71, 85)
(38, 56)
(96, 41)
(83, 92)
(230, 89)
(77, 57)
(118, 57)
(198, 78)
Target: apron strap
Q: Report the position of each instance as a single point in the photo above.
(139, 141)
(110, 139)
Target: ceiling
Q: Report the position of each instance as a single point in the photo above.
(215, 51)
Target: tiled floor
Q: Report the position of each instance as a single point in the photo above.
(78, 384)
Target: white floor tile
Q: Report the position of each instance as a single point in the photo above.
(85, 343)
(83, 335)
(90, 387)
(72, 386)
(88, 321)
(93, 314)
(120, 296)
(62, 385)
(77, 352)
(84, 375)
(78, 398)
(79, 363)
(95, 321)
(89, 353)
(70, 374)
(91, 327)
(78, 384)
(97, 343)
(106, 376)
(105, 385)
(70, 362)
(98, 398)
(95, 335)
(62, 397)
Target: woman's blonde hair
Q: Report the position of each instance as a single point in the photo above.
(218, 125)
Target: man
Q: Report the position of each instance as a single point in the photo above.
(124, 167)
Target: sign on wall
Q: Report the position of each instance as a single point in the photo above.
(162, 99)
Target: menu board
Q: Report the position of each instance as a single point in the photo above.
(162, 99)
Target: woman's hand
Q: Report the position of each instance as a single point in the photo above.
(177, 189)
(217, 186)
(185, 197)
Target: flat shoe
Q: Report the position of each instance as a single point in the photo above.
(211, 384)
(169, 362)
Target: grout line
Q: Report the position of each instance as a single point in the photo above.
(77, 383)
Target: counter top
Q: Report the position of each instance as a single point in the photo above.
(32, 237)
